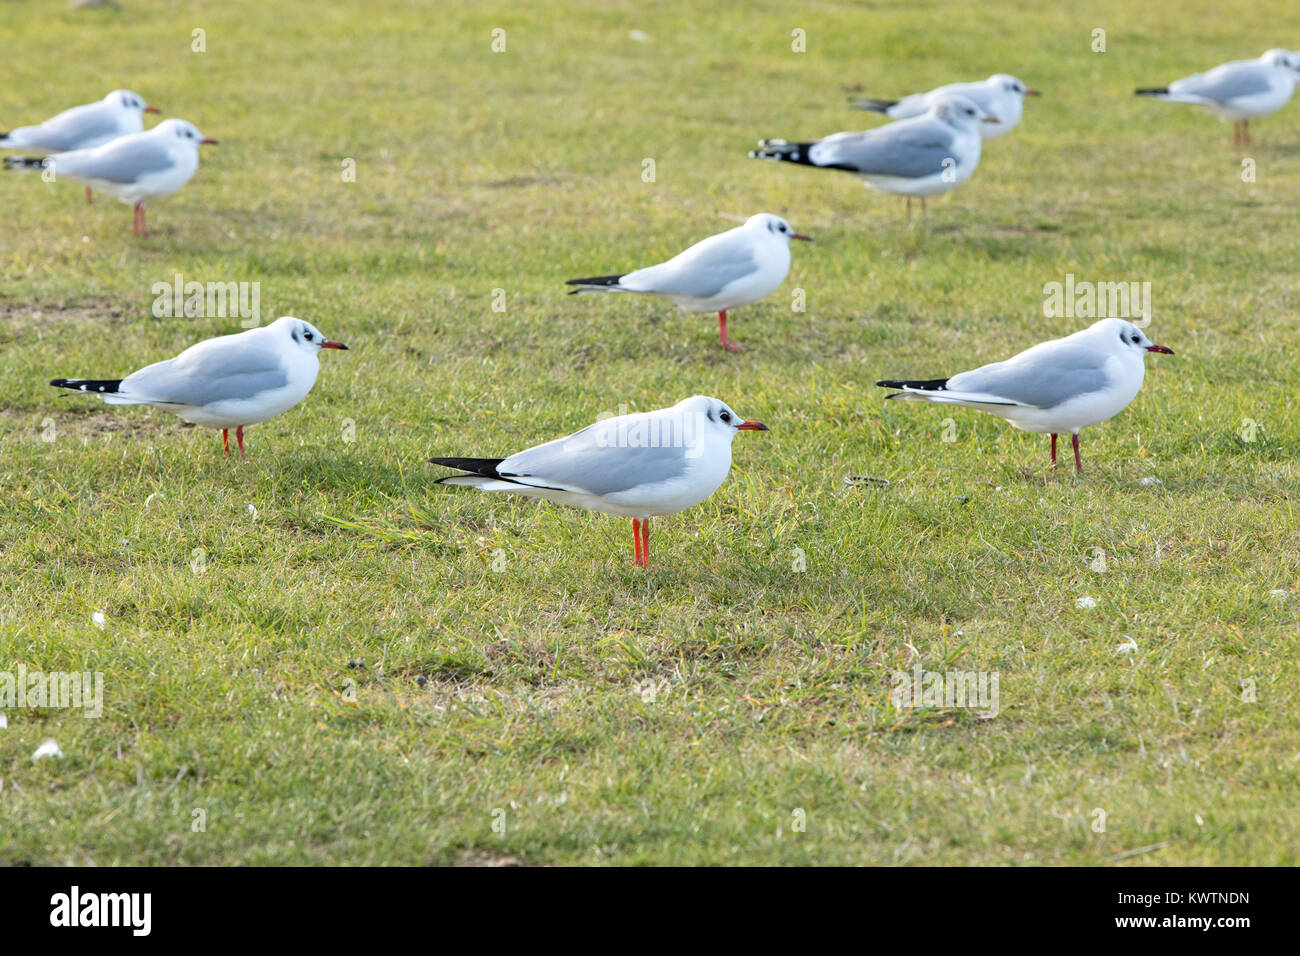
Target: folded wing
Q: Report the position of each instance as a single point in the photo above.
(909, 150)
(214, 371)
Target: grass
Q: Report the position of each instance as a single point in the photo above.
(338, 674)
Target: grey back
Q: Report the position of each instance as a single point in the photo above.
(600, 460)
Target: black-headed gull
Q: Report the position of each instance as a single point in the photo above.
(921, 156)
(134, 168)
(636, 466)
(1058, 386)
(120, 113)
(1240, 91)
(722, 272)
(1001, 96)
(228, 382)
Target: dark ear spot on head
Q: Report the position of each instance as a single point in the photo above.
(710, 414)
(295, 334)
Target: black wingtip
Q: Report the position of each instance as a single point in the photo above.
(24, 162)
(484, 467)
(870, 105)
(926, 385)
(100, 386)
(1151, 91)
(596, 281)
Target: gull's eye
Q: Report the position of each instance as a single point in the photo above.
(307, 336)
(725, 416)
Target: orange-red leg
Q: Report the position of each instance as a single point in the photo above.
(729, 344)
(1078, 462)
(1053, 449)
(239, 439)
(639, 559)
(138, 227)
(89, 196)
(225, 440)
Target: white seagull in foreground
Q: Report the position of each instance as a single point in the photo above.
(921, 156)
(722, 272)
(1239, 91)
(1058, 386)
(637, 466)
(133, 168)
(1001, 96)
(83, 127)
(227, 382)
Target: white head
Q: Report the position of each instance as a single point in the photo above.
(182, 131)
(1125, 337)
(1009, 84)
(131, 102)
(776, 226)
(1281, 58)
(711, 417)
(961, 113)
(302, 334)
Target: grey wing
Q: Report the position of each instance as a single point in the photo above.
(1225, 83)
(911, 151)
(219, 371)
(74, 129)
(700, 272)
(1044, 379)
(599, 460)
(123, 161)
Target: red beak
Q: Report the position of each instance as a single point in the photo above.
(1162, 349)
(331, 344)
(207, 142)
(800, 235)
(751, 426)
(152, 109)
(1032, 93)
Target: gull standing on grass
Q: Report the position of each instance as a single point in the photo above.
(722, 272)
(636, 466)
(227, 382)
(921, 156)
(133, 168)
(83, 127)
(1240, 91)
(1001, 96)
(1058, 386)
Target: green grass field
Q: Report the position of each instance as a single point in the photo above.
(338, 662)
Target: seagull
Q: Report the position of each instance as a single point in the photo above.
(134, 168)
(921, 156)
(1001, 96)
(228, 382)
(635, 466)
(722, 272)
(83, 127)
(1240, 91)
(1058, 386)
